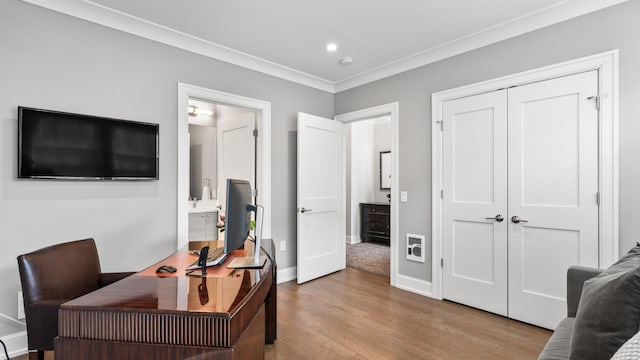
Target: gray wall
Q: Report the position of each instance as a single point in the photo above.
(612, 28)
(53, 61)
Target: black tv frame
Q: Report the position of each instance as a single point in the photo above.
(88, 117)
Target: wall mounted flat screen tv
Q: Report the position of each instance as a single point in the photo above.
(58, 145)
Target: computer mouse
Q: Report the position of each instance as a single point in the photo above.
(166, 269)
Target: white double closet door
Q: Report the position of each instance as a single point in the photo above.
(520, 188)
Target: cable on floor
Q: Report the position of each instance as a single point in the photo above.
(5, 350)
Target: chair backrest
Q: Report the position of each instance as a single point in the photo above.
(62, 271)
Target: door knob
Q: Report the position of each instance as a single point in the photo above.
(303, 210)
(516, 219)
(498, 218)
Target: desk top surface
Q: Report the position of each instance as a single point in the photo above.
(221, 291)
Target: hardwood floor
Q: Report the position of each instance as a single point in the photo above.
(353, 314)
(48, 355)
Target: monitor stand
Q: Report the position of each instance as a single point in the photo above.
(247, 262)
(256, 261)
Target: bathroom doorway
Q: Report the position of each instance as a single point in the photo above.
(256, 157)
(222, 145)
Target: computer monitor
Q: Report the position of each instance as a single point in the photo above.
(238, 224)
(238, 214)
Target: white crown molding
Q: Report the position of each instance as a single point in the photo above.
(548, 16)
(108, 17)
(87, 10)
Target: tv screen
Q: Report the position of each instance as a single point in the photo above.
(58, 145)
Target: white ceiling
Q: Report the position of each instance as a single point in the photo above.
(287, 38)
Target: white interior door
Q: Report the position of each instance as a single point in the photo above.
(321, 220)
(236, 151)
(475, 201)
(553, 185)
(543, 138)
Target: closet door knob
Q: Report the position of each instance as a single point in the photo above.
(516, 219)
(497, 218)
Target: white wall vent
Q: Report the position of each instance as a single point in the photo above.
(415, 247)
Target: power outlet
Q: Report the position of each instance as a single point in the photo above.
(283, 245)
(21, 314)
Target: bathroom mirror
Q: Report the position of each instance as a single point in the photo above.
(385, 170)
(202, 161)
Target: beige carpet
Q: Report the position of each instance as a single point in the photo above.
(369, 256)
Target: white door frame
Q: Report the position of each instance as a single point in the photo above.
(607, 64)
(263, 109)
(393, 110)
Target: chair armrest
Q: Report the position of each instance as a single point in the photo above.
(110, 278)
(42, 323)
(576, 276)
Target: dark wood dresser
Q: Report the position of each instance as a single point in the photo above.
(374, 222)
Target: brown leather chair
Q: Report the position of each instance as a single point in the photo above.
(52, 276)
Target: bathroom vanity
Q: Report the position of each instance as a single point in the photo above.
(202, 223)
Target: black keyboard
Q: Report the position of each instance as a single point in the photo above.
(214, 258)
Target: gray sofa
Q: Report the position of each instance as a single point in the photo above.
(557, 348)
(603, 313)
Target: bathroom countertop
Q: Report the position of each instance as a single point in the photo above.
(202, 209)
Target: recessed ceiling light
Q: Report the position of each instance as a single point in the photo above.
(346, 61)
(331, 47)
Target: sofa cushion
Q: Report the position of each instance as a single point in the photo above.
(557, 347)
(629, 350)
(609, 310)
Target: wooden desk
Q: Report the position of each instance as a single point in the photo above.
(173, 316)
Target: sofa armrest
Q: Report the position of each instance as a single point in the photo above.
(110, 278)
(576, 276)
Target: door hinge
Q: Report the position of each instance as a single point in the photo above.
(596, 99)
(441, 262)
(254, 192)
(255, 133)
(598, 198)
(441, 122)
(441, 194)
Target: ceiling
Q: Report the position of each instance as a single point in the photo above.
(287, 38)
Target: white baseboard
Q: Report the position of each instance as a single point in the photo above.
(14, 335)
(16, 344)
(355, 239)
(420, 287)
(287, 274)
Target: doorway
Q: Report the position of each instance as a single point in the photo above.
(262, 111)
(391, 112)
(518, 217)
(222, 145)
(368, 196)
